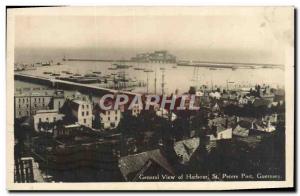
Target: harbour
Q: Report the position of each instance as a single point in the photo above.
(132, 76)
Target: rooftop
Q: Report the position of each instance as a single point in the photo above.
(134, 163)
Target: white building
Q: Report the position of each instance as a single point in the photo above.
(49, 116)
(166, 114)
(110, 119)
(221, 133)
(26, 104)
(82, 111)
(136, 109)
(273, 118)
(264, 126)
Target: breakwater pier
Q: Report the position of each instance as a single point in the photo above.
(67, 85)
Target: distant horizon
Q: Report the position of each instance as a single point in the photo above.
(22, 54)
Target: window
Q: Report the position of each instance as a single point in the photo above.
(108, 118)
(84, 121)
(47, 119)
(40, 120)
(59, 104)
(23, 100)
(82, 113)
(87, 106)
(54, 119)
(108, 112)
(20, 113)
(116, 112)
(34, 99)
(19, 106)
(27, 106)
(82, 106)
(116, 118)
(39, 99)
(87, 113)
(43, 99)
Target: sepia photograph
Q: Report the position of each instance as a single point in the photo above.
(150, 98)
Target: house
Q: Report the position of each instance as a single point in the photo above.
(220, 133)
(149, 163)
(26, 170)
(81, 110)
(215, 107)
(106, 119)
(166, 114)
(185, 149)
(110, 118)
(243, 100)
(26, 104)
(46, 116)
(264, 126)
(136, 110)
(242, 129)
(273, 118)
(265, 93)
(66, 130)
(215, 95)
(58, 100)
(222, 120)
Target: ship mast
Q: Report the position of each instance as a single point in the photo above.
(162, 88)
(155, 83)
(163, 82)
(147, 82)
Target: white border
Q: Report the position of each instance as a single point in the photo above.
(168, 186)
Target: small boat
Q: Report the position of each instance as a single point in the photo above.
(138, 68)
(55, 74)
(47, 72)
(212, 68)
(121, 66)
(112, 68)
(77, 74)
(97, 72)
(58, 63)
(90, 75)
(148, 70)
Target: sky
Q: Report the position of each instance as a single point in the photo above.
(213, 35)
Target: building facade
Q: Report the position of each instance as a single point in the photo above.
(82, 111)
(110, 119)
(28, 104)
(42, 116)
